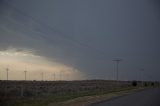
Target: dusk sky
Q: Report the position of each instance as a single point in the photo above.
(79, 39)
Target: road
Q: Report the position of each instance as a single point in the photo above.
(149, 97)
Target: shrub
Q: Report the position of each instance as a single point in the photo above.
(152, 84)
(145, 84)
(134, 83)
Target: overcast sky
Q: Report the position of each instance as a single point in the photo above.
(84, 35)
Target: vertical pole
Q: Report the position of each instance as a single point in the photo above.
(117, 67)
(117, 70)
(6, 88)
(54, 76)
(25, 72)
(60, 75)
(42, 76)
(141, 70)
(7, 73)
(67, 77)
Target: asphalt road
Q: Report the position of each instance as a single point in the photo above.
(149, 97)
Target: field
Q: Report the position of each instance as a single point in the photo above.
(40, 93)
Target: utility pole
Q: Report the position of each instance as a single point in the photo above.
(117, 60)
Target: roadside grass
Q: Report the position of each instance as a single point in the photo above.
(58, 98)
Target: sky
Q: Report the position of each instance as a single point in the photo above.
(79, 39)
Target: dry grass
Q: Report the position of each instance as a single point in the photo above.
(89, 100)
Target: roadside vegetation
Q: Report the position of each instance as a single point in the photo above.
(43, 93)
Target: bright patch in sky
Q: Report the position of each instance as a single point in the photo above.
(19, 60)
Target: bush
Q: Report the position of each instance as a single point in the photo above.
(145, 84)
(134, 83)
(152, 84)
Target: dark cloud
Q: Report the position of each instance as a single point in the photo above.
(86, 34)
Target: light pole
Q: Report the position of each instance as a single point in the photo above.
(117, 60)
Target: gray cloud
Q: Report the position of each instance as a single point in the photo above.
(87, 34)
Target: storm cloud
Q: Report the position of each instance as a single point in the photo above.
(87, 34)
